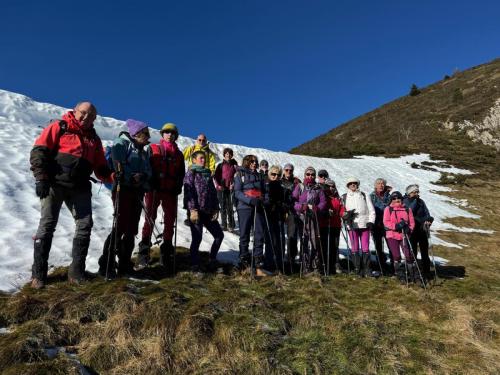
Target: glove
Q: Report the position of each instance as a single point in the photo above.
(42, 188)
(401, 226)
(256, 202)
(369, 226)
(215, 215)
(193, 216)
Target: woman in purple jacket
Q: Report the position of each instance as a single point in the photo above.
(310, 200)
(200, 198)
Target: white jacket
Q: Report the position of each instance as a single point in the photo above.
(362, 206)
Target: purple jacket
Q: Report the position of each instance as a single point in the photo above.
(199, 192)
(311, 194)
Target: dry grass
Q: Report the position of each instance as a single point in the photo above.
(283, 325)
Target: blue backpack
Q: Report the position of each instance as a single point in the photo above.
(109, 161)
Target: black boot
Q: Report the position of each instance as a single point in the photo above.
(356, 259)
(366, 265)
(125, 249)
(40, 261)
(76, 270)
(143, 257)
(107, 261)
(400, 272)
(167, 256)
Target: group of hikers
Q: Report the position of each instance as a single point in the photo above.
(295, 224)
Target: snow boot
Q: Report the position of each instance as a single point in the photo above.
(366, 265)
(41, 257)
(107, 261)
(356, 259)
(167, 256)
(125, 249)
(76, 270)
(143, 257)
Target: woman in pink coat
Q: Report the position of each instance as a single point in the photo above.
(398, 223)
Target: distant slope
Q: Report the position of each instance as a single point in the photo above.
(456, 119)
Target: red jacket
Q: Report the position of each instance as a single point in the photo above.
(168, 167)
(331, 216)
(67, 154)
(393, 214)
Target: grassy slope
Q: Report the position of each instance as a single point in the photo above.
(226, 324)
(415, 124)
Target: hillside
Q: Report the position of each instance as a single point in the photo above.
(456, 119)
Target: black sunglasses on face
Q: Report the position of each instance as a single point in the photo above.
(274, 174)
(288, 170)
(310, 174)
(253, 161)
(396, 199)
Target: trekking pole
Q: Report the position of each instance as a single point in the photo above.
(345, 234)
(151, 222)
(378, 258)
(302, 246)
(431, 250)
(270, 239)
(282, 248)
(318, 238)
(252, 260)
(175, 234)
(328, 252)
(406, 269)
(416, 260)
(113, 241)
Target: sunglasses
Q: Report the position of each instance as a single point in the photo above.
(396, 199)
(288, 170)
(169, 132)
(310, 174)
(274, 174)
(202, 140)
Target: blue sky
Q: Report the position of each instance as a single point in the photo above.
(270, 74)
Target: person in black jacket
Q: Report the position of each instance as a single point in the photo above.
(224, 182)
(423, 222)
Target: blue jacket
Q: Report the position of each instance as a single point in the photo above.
(132, 159)
(380, 205)
(247, 182)
(420, 212)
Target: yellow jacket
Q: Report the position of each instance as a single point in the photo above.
(210, 156)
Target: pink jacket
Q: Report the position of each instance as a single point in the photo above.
(393, 215)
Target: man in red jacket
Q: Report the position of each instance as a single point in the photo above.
(167, 162)
(62, 160)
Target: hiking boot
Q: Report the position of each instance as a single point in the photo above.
(261, 272)
(37, 283)
(356, 259)
(366, 265)
(167, 257)
(212, 266)
(338, 268)
(143, 257)
(40, 266)
(76, 281)
(76, 270)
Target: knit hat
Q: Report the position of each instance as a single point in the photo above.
(351, 180)
(169, 127)
(135, 126)
(310, 170)
(289, 166)
(396, 194)
(323, 172)
(330, 182)
(411, 188)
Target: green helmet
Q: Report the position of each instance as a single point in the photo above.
(170, 127)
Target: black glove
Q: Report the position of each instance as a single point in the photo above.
(369, 226)
(42, 188)
(401, 226)
(348, 215)
(256, 202)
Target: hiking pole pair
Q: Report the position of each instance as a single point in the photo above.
(318, 239)
(416, 260)
(431, 250)
(345, 235)
(114, 236)
(271, 240)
